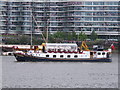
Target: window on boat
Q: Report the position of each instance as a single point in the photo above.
(61, 56)
(103, 53)
(99, 53)
(76, 56)
(47, 55)
(91, 53)
(54, 55)
(68, 56)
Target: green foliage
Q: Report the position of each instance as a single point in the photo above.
(71, 36)
(74, 36)
(51, 38)
(11, 41)
(93, 36)
(24, 39)
(58, 36)
(82, 36)
(37, 41)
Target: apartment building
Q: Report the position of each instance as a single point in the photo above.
(37, 16)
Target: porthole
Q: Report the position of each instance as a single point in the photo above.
(54, 55)
(103, 53)
(61, 56)
(47, 55)
(99, 53)
(76, 56)
(68, 56)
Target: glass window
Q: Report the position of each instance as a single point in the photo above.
(68, 56)
(61, 56)
(103, 53)
(88, 3)
(116, 3)
(26, 28)
(75, 3)
(98, 19)
(111, 18)
(76, 56)
(47, 55)
(99, 53)
(54, 55)
(110, 3)
(98, 3)
(88, 19)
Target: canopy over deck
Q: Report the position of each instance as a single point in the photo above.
(61, 47)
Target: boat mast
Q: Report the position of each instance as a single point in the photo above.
(38, 28)
(47, 32)
(31, 31)
(46, 14)
(47, 35)
(30, 6)
(31, 38)
(33, 18)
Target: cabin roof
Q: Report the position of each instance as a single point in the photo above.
(57, 44)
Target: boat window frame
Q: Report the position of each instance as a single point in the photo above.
(75, 56)
(61, 56)
(47, 55)
(103, 53)
(68, 56)
(98, 53)
(54, 56)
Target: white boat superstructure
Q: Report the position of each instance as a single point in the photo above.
(79, 55)
(84, 54)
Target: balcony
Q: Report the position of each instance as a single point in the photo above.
(95, 26)
(93, 5)
(94, 10)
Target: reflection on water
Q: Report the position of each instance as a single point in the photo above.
(59, 74)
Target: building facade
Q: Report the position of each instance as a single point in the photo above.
(68, 15)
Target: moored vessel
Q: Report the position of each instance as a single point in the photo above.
(64, 52)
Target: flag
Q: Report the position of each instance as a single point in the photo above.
(112, 47)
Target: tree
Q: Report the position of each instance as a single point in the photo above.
(93, 36)
(23, 39)
(59, 36)
(69, 36)
(82, 36)
(51, 38)
(73, 35)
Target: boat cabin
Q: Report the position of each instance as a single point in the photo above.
(98, 48)
(99, 52)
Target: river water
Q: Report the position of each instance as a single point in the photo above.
(59, 74)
